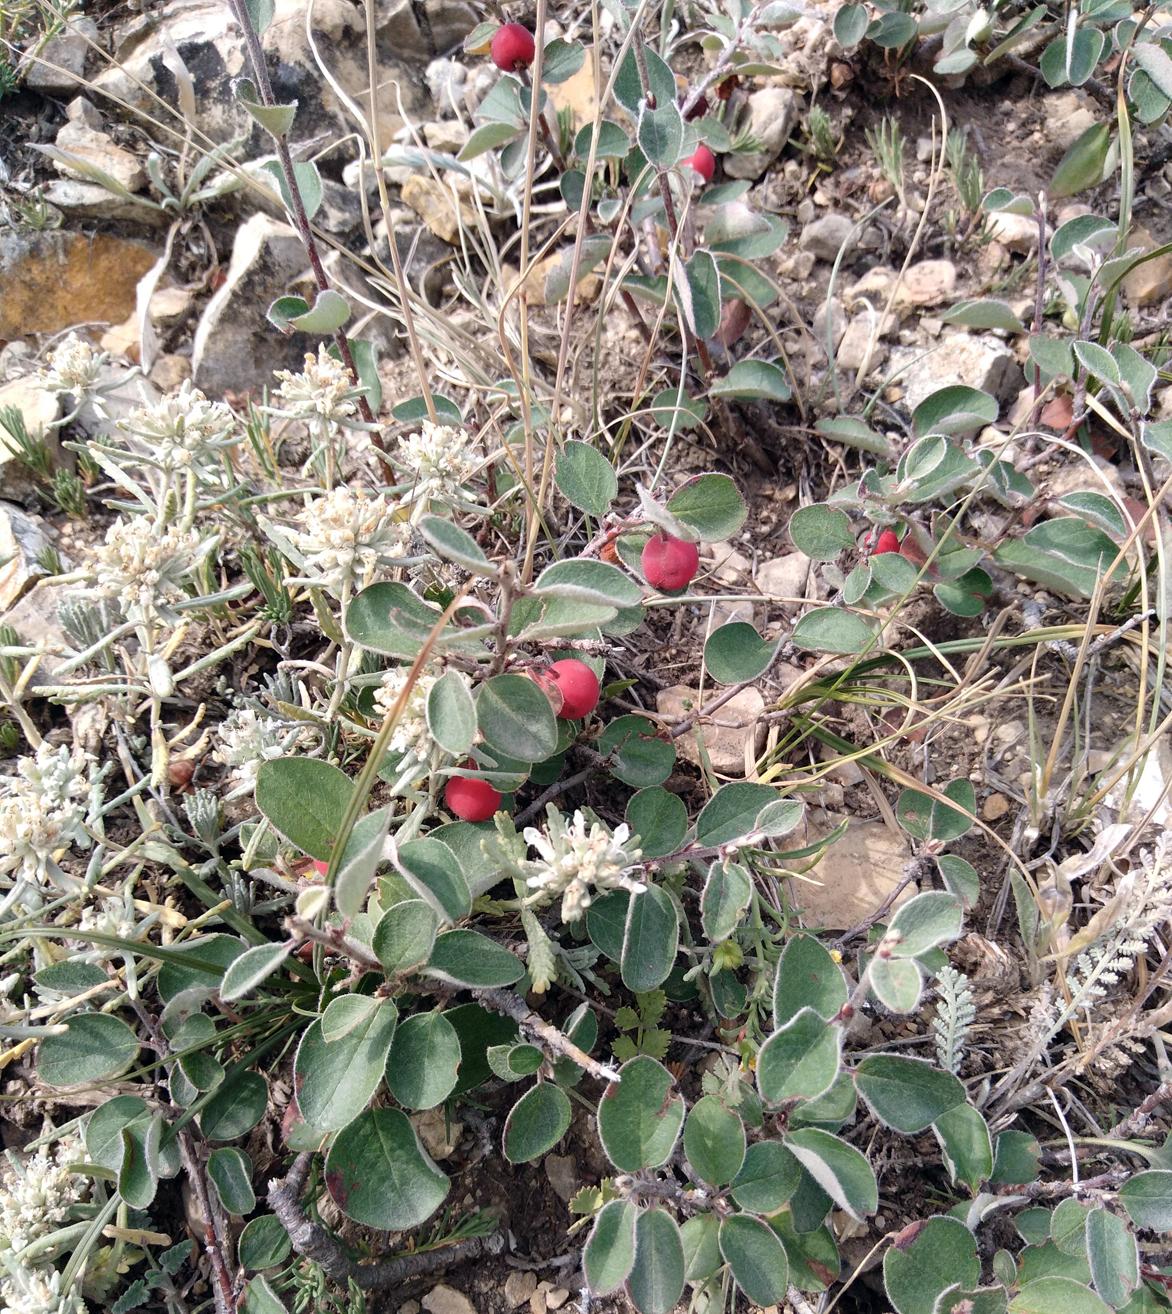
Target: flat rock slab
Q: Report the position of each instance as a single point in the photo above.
(857, 874)
(53, 280)
(731, 733)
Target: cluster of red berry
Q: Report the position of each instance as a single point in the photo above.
(669, 564)
(512, 50)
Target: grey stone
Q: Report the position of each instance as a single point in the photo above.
(784, 577)
(829, 314)
(827, 236)
(1015, 232)
(68, 52)
(97, 150)
(979, 361)
(37, 622)
(235, 348)
(23, 538)
(80, 110)
(861, 347)
(153, 51)
(436, 27)
(770, 120)
(86, 200)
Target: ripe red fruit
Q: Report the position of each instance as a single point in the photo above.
(512, 47)
(578, 686)
(471, 799)
(670, 563)
(888, 542)
(702, 162)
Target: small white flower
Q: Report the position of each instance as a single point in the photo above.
(323, 391)
(344, 534)
(246, 740)
(42, 811)
(73, 367)
(36, 1192)
(143, 567)
(411, 737)
(38, 1291)
(439, 459)
(184, 429)
(579, 860)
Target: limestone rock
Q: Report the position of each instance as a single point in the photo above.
(52, 280)
(23, 538)
(577, 95)
(37, 621)
(857, 873)
(1015, 232)
(1152, 281)
(235, 348)
(861, 347)
(60, 66)
(727, 737)
(169, 371)
(435, 204)
(99, 151)
(978, 360)
(927, 283)
(519, 1286)
(784, 577)
(203, 37)
(80, 110)
(418, 31)
(447, 1300)
(827, 236)
(79, 200)
(770, 120)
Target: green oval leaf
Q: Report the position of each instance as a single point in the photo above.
(379, 1175)
(650, 940)
(659, 819)
(831, 629)
(424, 1061)
(335, 1082)
(471, 959)
(714, 1141)
(838, 1168)
(230, 1171)
(96, 1047)
(305, 801)
(905, 1093)
(736, 653)
(610, 1250)
(657, 1278)
(515, 717)
(800, 1060)
(538, 1120)
(639, 1116)
(756, 1258)
(940, 1255)
(404, 936)
(586, 478)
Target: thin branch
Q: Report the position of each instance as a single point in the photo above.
(323, 1248)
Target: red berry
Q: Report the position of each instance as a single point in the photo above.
(471, 799)
(321, 868)
(670, 563)
(703, 162)
(512, 47)
(888, 542)
(578, 686)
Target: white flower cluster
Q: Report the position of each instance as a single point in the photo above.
(322, 391)
(42, 810)
(346, 534)
(38, 1291)
(411, 737)
(439, 459)
(36, 1192)
(143, 567)
(579, 860)
(73, 367)
(246, 739)
(183, 430)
